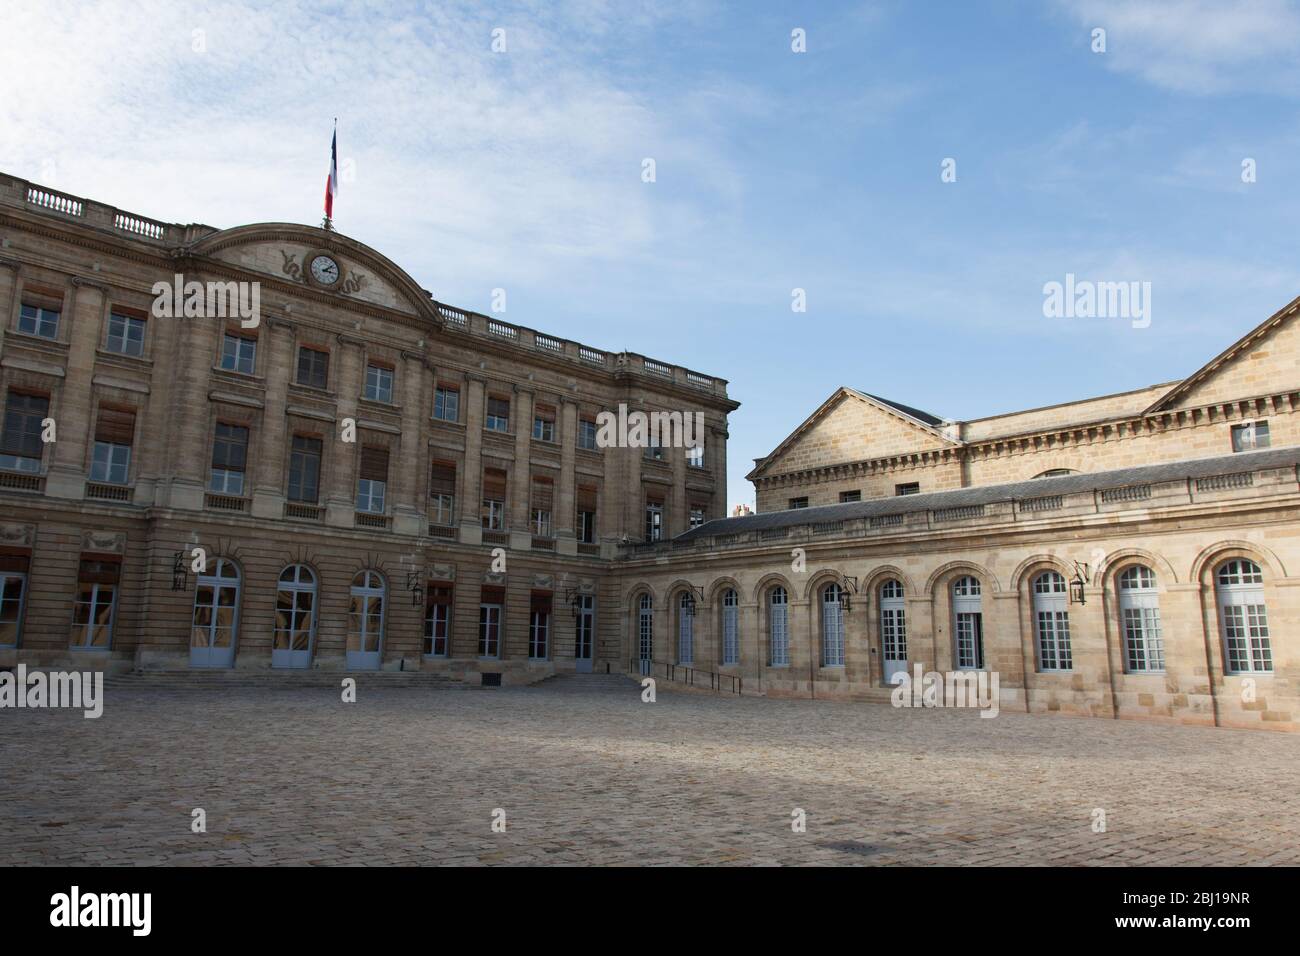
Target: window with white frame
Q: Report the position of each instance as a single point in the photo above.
(442, 493)
(968, 623)
(379, 384)
(695, 456)
(93, 611)
(697, 516)
(489, 622)
(238, 353)
(295, 609)
(539, 627)
(1052, 621)
(893, 621)
(654, 520)
(832, 627)
(437, 621)
(498, 414)
(730, 627)
(1239, 585)
(110, 463)
(446, 403)
(645, 628)
(685, 629)
(778, 627)
(125, 334)
(366, 613)
(587, 434)
(1250, 435)
(39, 320)
(229, 459)
(1139, 608)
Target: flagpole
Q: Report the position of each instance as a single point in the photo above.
(331, 182)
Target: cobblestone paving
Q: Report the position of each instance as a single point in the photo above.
(587, 774)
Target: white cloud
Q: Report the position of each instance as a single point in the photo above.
(1198, 46)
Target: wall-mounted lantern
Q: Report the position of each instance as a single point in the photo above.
(697, 595)
(848, 588)
(413, 578)
(1078, 583)
(180, 573)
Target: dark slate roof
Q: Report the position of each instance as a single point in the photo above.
(908, 410)
(1015, 491)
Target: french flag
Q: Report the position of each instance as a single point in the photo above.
(332, 181)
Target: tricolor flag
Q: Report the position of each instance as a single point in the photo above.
(332, 181)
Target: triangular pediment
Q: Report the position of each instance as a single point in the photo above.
(1263, 361)
(851, 426)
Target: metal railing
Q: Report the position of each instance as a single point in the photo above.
(688, 675)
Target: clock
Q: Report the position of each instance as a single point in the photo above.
(324, 270)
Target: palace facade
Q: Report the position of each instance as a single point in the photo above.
(366, 478)
(363, 477)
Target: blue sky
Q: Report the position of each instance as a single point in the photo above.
(520, 170)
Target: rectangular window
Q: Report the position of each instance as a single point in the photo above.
(21, 447)
(92, 612)
(586, 500)
(587, 434)
(654, 520)
(539, 518)
(910, 488)
(229, 459)
(238, 354)
(1250, 435)
(850, 496)
(39, 320)
(697, 515)
(442, 493)
(544, 424)
(695, 456)
(125, 334)
(489, 621)
(304, 469)
(379, 384)
(313, 367)
(372, 480)
(798, 503)
(446, 403)
(437, 621)
(539, 626)
(654, 452)
(1143, 641)
(493, 513)
(498, 414)
(114, 434)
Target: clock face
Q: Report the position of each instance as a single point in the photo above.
(325, 270)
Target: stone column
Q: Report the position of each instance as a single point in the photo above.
(274, 445)
(342, 500)
(471, 474)
(520, 502)
(68, 458)
(563, 519)
(1003, 647)
(678, 508)
(716, 458)
(411, 467)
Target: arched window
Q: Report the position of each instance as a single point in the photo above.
(1052, 622)
(893, 628)
(1139, 608)
(832, 627)
(778, 627)
(1239, 584)
(730, 627)
(645, 630)
(295, 617)
(968, 623)
(215, 626)
(366, 630)
(685, 629)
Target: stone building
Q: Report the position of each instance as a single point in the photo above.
(360, 476)
(1125, 556)
(364, 477)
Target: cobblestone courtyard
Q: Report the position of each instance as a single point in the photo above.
(588, 774)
